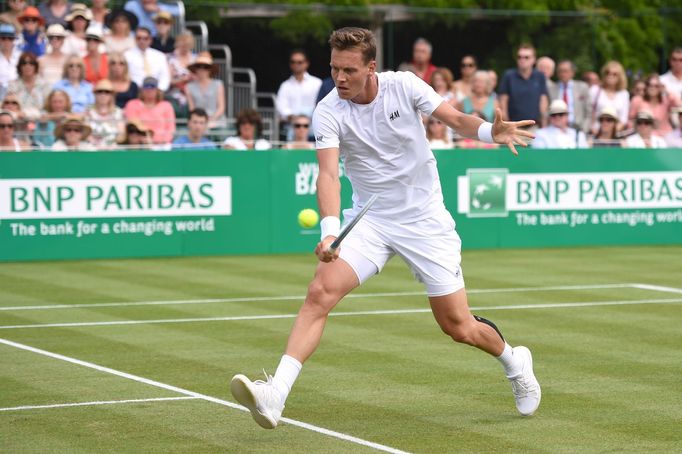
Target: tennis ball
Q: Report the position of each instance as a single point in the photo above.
(308, 218)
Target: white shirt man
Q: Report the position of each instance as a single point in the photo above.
(558, 134)
(644, 137)
(143, 61)
(297, 94)
(9, 57)
(673, 78)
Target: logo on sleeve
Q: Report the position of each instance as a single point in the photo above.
(394, 115)
(319, 138)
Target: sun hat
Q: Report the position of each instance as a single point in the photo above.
(79, 10)
(644, 115)
(56, 30)
(8, 30)
(104, 85)
(203, 58)
(33, 13)
(115, 13)
(163, 15)
(72, 120)
(94, 31)
(558, 106)
(608, 112)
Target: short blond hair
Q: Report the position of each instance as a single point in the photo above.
(355, 38)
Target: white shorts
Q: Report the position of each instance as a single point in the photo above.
(431, 247)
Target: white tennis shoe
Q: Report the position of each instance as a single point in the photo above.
(260, 397)
(525, 386)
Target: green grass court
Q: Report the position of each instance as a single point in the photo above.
(149, 346)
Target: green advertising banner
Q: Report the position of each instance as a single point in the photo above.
(137, 204)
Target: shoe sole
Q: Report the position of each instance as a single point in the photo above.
(241, 390)
(530, 358)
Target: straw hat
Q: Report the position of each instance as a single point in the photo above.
(33, 13)
(56, 30)
(104, 85)
(204, 58)
(79, 10)
(558, 106)
(72, 120)
(133, 124)
(163, 15)
(608, 112)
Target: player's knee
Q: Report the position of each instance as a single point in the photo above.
(320, 296)
(459, 332)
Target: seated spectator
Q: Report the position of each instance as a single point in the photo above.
(9, 57)
(32, 37)
(136, 135)
(12, 105)
(143, 61)
(197, 125)
(611, 92)
(54, 11)
(57, 108)
(481, 99)
(146, 10)
(8, 141)
(124, 88)
(249, 130)
(52, 63)
(179, 60)
(152, 110)
(74, 84)
(301, 125)
(607, 135)
(421, 60)
(437, 134)
(29, 87)
(72, 135)
(121, 24)
(99, 12)
(441, 81)
(96, 62)
(644, 136)
(674, 137)
(591, 78)
(461, 88)
(163, 41)
(77, 22)
(207, 92)
(104, 117)
(557, 134)
(656, 101)
(11, 16)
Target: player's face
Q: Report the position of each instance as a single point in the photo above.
(350, 72)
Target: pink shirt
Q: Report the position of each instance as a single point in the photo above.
(660, 111)
(160, 118)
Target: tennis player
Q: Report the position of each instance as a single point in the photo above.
(373, 122)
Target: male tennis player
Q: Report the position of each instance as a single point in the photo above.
(373, 121)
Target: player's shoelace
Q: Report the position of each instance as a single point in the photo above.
(270, 394)
(522, 386)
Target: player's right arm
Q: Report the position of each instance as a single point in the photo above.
(328, 197)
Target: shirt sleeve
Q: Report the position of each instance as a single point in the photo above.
(326, 128)
(504, 85)
(424, 97)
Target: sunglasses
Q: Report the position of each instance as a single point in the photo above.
(467, 65)
(133, 130)
(297, 62)
(563, 114)
(55, 38)
(7, 38)
(116, 62)
(103, 92)
(202, 66)
(162, 21)
(14, 103)
(88, 38)
(6, 126)
(524, 57)
(143, 38)
(73, 65)
(301, 125)
(28, 62)
(645, 122)
(607, 120)
(30, 19)
(73, 130)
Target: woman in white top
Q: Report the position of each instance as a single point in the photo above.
(77, 21)
(72, 135)
(437, 134)
(52, 63)
(119, 38)
(611, 92)
(462, 87)
(249, 128)
(105, 117)
(7, 140)
(644, 136)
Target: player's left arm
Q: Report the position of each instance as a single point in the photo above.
(510, 133)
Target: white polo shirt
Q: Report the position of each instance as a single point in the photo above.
(298, 97)
(383, 147)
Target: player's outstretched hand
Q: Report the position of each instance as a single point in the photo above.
(510, 133)
(322, 250)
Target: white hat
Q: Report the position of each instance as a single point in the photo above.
(56, 30)
(94, 31)
(558, 107)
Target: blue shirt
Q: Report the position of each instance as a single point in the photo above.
(33, 43)
(81, 97)
(145, 18)
(184, 143)
(524, 94)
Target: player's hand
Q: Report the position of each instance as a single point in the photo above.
(510, 133)
(322, 250)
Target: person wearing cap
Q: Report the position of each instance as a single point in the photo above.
(136, 135)
(105, 117)
(206, 92)
(72, 135)
(8, 139)
(163, 41)
(77, 22)
(73, 82)
(9, 56)
(29, 87)
(146, 10)
(11, 16)
(558, 134)
(644, 136)
(674, 137)
(55, 11)
(33, 39)
(96, 61)
(52, 63)
(143, 61)
(152, 110)
(195, 139)
(121, 24)
(607, 135)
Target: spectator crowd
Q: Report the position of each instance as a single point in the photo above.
(87, 77)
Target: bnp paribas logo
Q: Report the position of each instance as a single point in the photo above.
(487, 191)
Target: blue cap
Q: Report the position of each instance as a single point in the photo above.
(150, 82)
(8, 30)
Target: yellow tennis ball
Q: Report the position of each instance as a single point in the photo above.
(308, 218)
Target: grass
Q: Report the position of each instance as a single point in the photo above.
(610, 373)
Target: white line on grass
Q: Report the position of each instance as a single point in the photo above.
(103, 402)
(186, 392)
(342, 314)
(301, 297)
(657, 288)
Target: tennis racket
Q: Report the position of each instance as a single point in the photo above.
(346, 230)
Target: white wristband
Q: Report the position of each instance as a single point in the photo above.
(485, 132)
(329, 226)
